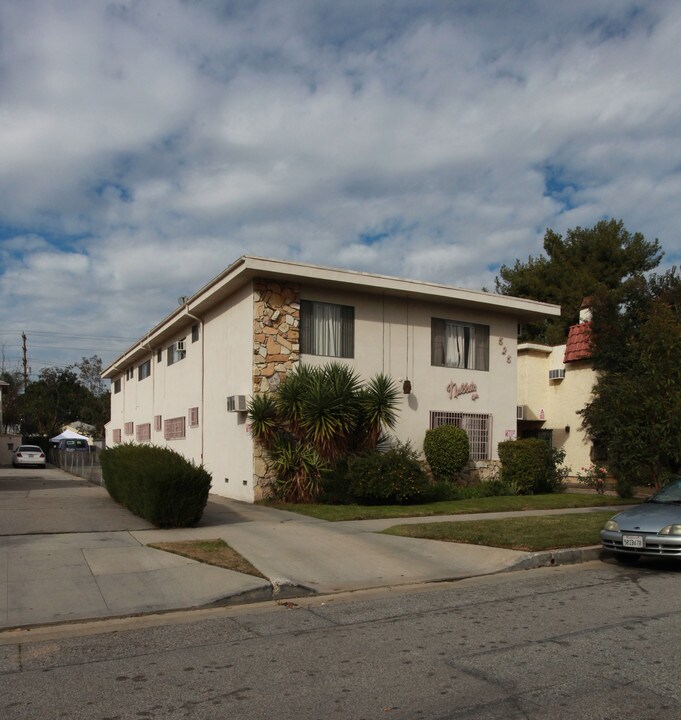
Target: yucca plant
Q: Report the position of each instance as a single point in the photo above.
(318, 415)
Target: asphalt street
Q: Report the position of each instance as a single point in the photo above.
(595, 641)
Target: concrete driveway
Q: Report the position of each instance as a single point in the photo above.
(34, 501)
(67, 553)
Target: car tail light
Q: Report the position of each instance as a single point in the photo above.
(42, 455)
(19, 455)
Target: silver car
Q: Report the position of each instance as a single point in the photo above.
(28, 455)
(652, 529)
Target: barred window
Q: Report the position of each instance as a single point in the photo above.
(117, 435)
(327, 329)
(143, 432)
(158, 423)
(459, 345)
(175, 428)
(193, 417)
(478, 427)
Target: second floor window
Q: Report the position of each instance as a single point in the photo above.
(327, 329)
(176, 352)
(459, 345)
(144, 370)
(117, 385)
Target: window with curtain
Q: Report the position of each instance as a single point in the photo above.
(459, 345)
(327, 329)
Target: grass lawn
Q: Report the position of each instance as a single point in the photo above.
(211, 552)
(454, 507)
(547, 532)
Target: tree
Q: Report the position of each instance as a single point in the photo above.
(317, 416)
(90, 374)
(636, 407)
(586, 263)
(10, 399)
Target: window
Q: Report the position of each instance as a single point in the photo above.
(117, 435)
(144, 370)
(143, 432)
(193, 417)
(159, 355)
(117, 385)
(158, 423)
(459, 345)
(177, 352)
(174, 428)
(327, 329)
(129, 373)
(129, 428)
(195, 332)
(478, 427)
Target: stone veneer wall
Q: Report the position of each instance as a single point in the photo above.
(276, 350)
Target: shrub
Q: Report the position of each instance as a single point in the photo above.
(156, 483)
(447, 451)
(526, 465)
(396, 476)
(488, 488)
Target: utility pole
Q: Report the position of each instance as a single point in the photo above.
(23, 337)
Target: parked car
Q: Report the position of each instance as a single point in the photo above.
(28, 455)
(73, 445)
(652, 529)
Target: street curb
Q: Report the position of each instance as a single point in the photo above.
(278, 589)
(553, 558)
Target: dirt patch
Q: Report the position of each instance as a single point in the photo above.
(211, 552)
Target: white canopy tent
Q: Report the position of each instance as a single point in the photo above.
(68, 435)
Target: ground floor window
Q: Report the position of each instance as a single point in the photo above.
(478, 427)
(143, 432)
(174, 428)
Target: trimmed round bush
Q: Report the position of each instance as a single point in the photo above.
(447, 451)
(525, 464)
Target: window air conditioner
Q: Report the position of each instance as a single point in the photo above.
(557, 374)
(237, 403)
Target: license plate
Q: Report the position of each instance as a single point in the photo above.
(632, 541)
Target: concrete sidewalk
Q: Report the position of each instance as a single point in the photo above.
(66, 576)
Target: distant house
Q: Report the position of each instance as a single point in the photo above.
(554, 384)
(187, 382)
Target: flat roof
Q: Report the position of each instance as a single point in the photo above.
(249, 267)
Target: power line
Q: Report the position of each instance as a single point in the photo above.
(73, 335)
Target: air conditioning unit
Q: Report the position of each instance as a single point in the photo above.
(525, 412)
(557, 374)
(237, 403)
(179, 346)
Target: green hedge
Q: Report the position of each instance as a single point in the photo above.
(156, 483)
(447, 451)
(526, 465)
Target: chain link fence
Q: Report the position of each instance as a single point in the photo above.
(82, 464)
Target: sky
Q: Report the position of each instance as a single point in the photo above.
(147, 144)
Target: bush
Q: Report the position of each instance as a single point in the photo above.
(447, 451)
(384, 478)
(531, 466)
(488, 488)
(156, 483)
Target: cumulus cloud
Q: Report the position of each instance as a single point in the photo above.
(147, 145)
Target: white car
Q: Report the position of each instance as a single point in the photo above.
(28, 455)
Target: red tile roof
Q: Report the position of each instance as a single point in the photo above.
(578, 346)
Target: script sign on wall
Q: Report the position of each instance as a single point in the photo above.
(467, 388)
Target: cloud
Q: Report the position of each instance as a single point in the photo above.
(147, 145)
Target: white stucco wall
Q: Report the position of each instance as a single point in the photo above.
(393, 335)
